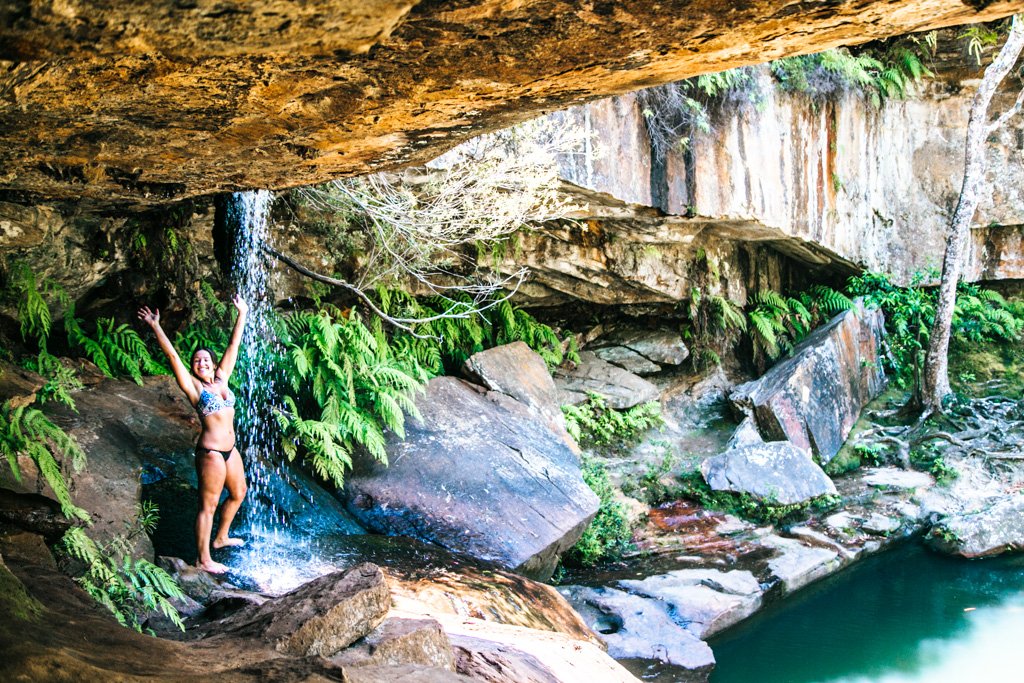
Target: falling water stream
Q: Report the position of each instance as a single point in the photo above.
(279, 552)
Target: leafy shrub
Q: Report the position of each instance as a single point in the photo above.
(593, 424)
(608, 536)
(126, 586)
(979, 315)
(457, 327)
(877, 74)
(347, 386)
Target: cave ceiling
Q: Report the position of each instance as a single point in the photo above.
(128, 104)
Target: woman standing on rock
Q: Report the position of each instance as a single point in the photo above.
(218, 462)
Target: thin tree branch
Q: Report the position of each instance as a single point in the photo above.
(291, 263)
(457, 310)
(1008, 114)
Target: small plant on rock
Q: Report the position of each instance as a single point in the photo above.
(595, 425)
(608, 536)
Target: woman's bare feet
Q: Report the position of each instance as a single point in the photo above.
(227, 542)
(213, 567)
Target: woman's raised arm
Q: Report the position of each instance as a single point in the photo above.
(227, 361)
(181, 373)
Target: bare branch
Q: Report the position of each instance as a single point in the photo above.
(1008, 114)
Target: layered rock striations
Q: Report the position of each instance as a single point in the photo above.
(150, 103)
(834, 183)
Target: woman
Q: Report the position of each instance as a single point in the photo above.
(218, 462)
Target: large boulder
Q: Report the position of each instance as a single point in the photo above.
(620, 388)
(481, 475)
(992, 530)
(519, 372)
(776, 472)
(814, 397)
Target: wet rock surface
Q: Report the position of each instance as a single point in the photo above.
(814, 397)
(636, 627)
(321, 617)
(460, 478)
(776, 472)
(702, 571)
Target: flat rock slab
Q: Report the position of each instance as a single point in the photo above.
(566, 659)
(321, 617)
(479, 475)
(814, 397)
(777, 472)
(628, 359)
(702, 609)
(895, 478)
(661, 346)
(636, 627)
(399, 641)
(993, 530)
(798, 564)
(620, 388)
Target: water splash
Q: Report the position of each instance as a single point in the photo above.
(270, 536)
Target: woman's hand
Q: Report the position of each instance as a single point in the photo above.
(240, 304)
(151, 318)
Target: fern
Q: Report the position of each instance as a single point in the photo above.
(348, 386)
(33, 310)
(124, 585)
(116, 350)
(26, 431)
(594, 425)
(60, 379)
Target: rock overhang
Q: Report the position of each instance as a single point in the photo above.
(127, 104)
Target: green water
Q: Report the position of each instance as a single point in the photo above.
(905, 616)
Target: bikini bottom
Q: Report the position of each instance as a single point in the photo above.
(226, 454)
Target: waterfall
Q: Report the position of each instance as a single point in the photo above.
(267, 530)
(248, 215)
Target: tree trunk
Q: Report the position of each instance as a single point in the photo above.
(936, 371)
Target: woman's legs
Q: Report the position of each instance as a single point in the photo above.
(235, 482)
(211, 471)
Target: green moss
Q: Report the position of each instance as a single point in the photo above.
(748, 507)
(984, 368)
(16, 601)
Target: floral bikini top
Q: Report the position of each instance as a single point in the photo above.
(210, 402)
